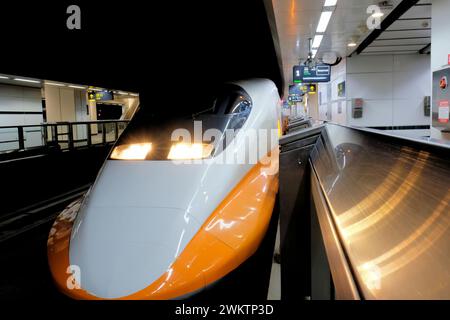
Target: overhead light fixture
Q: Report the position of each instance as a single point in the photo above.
(352, 44)
(317, 41)
(135, 94)
(330, 3)
(377, 15)
(55, 84)
(77, 87)
(4, 77)
(314, 52)
(122, 93)
(323, 22)
(96, 89)
(26, 80)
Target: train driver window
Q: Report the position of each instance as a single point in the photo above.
(238, 109)
(238, 103)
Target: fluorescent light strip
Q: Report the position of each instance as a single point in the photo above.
(4, 77)
(323, 22)
(317, 41)
(77, 87)
(55, 84)
(314, 52)
(330, 3)
(26, 80)
(123, 93)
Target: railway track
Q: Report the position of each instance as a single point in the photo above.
(20, 221)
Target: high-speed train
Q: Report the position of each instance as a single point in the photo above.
(168, 216)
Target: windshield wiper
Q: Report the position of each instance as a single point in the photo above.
(203, 111)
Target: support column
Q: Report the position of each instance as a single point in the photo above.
(93, 115)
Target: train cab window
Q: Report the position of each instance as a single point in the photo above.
(232, 100)
(238, 104)
(226, 109)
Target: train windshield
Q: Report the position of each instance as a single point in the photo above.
(227, 110)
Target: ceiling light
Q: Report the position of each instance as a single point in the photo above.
(55, 84)
(377, 15)
(4, 77)
(352, 44)
(330, 3)
(135, 94)
(323, 22)
(123, 93)
(314, 52)
(77, 87)
(27, 80)
(317, 41)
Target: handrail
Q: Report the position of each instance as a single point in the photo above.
(48, 124)
(63, 135)
(382, 205)
(299, 124)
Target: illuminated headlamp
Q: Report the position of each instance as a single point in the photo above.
(190, 151)
(134, 151)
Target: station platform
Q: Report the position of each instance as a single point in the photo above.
(264, 152)
(342, 192)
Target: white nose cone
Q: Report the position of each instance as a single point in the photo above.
(123, 250)
(139, 216)
(133, 225)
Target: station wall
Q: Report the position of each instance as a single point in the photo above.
(332, 107)
(60, 104)
(440, 45)
(393, 88)
(19, 106)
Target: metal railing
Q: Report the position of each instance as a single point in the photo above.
(65, 135)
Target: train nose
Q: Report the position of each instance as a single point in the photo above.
(121, 250)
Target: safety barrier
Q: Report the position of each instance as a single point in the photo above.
(64, 135)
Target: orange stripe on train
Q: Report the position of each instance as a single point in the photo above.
(232, 233)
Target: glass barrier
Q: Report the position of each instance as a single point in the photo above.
(33, 137)
(9, 139)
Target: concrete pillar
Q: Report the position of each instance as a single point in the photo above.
(52, 104)
(93, 115)
(60, 104)
(312, 105)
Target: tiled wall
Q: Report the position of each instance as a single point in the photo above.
(16, 101)
(393, 88)
(440, 45)
(20, 106)
(331, 106)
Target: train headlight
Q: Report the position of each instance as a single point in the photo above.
(134, 151)
(190, 151)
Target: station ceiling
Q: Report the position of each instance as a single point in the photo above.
(169, 52)
(409, 34)
(297, 21)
